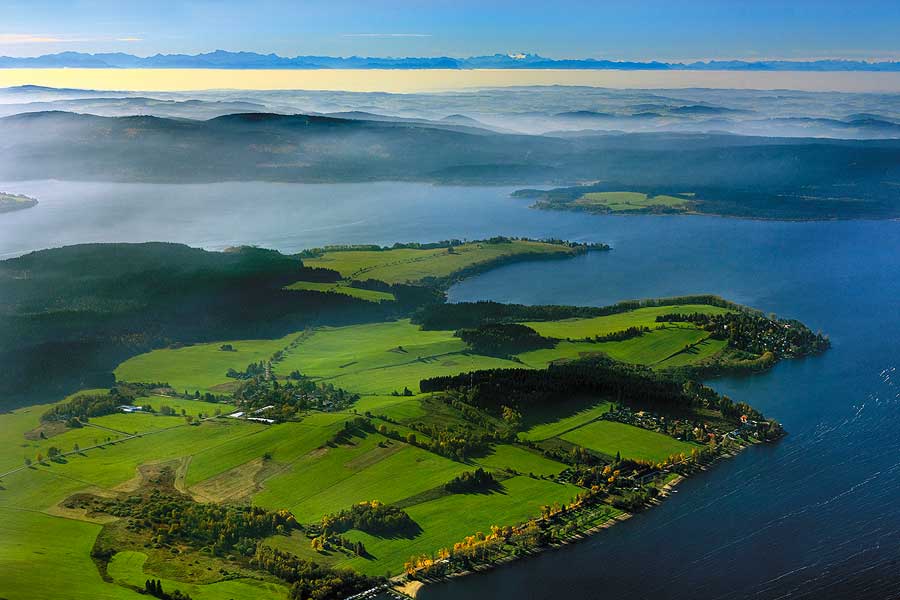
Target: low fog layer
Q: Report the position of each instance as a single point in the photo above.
(556, 110)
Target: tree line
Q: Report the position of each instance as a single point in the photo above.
(472, 314)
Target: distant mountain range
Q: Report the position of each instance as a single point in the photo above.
(221, 59)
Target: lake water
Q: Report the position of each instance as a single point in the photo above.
(815, 515)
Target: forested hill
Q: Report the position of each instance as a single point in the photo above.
(69, 315)
(847, 179)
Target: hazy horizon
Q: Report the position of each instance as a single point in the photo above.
(434, 80)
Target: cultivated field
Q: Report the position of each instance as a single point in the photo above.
(409, 265)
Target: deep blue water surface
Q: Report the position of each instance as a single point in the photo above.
(816, 515)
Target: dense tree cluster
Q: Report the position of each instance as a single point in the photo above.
(171, 517)
(620, 336)
(495, 388)
(309, 580)
(452, 442)
(84, 406)
(252, 370)
(328, 541)
(154, 588)
(756, 333)
(503, 339)
(471, 481)
(271, 399)
(372, 517)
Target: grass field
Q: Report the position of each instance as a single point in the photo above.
(136, 422)
(556, 426)
(609, 437)
(198, 367)
(702, 350)
(399, 408)
(340, 288)
(411, 265)
(46, 557)
(451, 518)
(517, 458)
(642, 317)
(191, 407)
(649, 349)
(374, 468)
(293, 465)
(382, 358)
(285, 442)
(630, 201)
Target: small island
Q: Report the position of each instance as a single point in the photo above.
(12, 202)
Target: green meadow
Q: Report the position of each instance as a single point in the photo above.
(346, 290)
(200, 367)
(609, 437)
(641, 317)
(409, 265)
(128, 568)
(373, 468)
(556, 424)
(44, 557)
(382, 358)
(447, 520)
(296, 465)
(630, 201)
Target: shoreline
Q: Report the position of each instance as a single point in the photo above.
(411, 587)
(622, 214)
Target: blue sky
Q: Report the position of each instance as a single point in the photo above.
(629, 30)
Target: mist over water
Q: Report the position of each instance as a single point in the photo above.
(814, 515)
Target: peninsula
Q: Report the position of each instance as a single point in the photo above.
(323, 424)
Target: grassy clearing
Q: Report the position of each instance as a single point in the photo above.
(557, 424)
(630, 201)
(609, 437)
(198, 367)
(451, 518)
(128, 568)
(412, 265)
(642, 317)
(341, 288)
